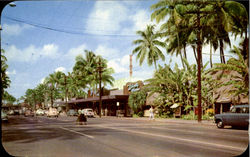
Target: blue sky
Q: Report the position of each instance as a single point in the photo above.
(105, 27)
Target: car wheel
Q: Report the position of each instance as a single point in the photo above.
(220, 124)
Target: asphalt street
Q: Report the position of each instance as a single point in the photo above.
(108, 137)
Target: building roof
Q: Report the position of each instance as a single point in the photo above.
(222, 94)
(96, 99)
(151, 98)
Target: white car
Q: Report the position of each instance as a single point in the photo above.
(88, 112)
(40, 112)
(52, 112)
(4, 116)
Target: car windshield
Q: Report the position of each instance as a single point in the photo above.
(239, 110)
(90, 110)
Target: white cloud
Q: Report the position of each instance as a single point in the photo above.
(14, 29)
(106, 52)
(73, 52)
(125, 60)
(11, 72)
(141, 19)
(143, 74)
(117, 67)
(62, 69)
(106, 17)
(42, 80)
(31, 53)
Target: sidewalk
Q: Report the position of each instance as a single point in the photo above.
(162, 120)
(167, 120)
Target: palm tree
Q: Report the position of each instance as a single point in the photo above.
(84, 70)
(148, 46)
(52, 83)
(5, 78)
(239, 19)
(40, 91)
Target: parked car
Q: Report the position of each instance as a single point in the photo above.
(63, 113)
(16, 112)
(72, 112)
(40, 112)
(4, 116)
(238, 116)
(29, 113)
(10, 112)
(88, 112)
(21, 112)
(52, 112)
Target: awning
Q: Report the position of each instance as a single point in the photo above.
(175, 106)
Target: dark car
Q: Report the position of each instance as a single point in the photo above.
(237, 117)
(72, 113)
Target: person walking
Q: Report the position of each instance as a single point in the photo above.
(151, 113)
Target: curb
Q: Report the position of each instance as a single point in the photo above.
(210, 123)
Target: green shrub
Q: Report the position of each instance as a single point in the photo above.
(190, 116)
(140, 114)
(135, 116)
(207, 117)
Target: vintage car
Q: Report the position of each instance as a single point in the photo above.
(29, 113)
(88, 112)
(72, 112)
(40, 112)
(238, 116)
(4, 116)
(52, 112)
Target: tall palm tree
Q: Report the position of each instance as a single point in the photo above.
(239, 21)
(5, 78)
(148, 46)
(85, 70)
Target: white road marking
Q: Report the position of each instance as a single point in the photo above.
(179, 139)
(77, 132)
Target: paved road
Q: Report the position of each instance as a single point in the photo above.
(107, 137)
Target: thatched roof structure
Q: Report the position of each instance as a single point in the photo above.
(151, 98)
(222, 94)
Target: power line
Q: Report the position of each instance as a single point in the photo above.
(66, 31)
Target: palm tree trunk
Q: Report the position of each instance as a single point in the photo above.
(222, 57)
(211, 64)
(195, 54)
(245, 47)
(185, 52)
(201, 58)
(182, 61)
(155, 65)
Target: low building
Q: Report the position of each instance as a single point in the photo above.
(223, 100)
(114, 101)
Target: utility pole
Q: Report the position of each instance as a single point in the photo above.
(34, 97)
(100, 87)
(51, 94)
(199, 55)
(66, 92)
(199, 47)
